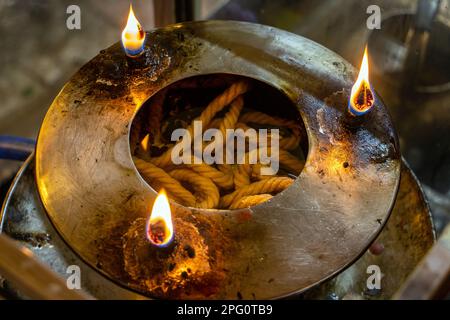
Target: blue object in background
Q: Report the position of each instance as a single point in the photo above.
(16, 148)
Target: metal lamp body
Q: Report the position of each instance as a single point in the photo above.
(89, 185)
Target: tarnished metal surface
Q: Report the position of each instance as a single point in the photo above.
(90, 187)
(406, 238)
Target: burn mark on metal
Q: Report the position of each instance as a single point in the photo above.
(376, 130)
(192, 267)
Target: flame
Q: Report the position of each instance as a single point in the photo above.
(159, 225)
(362, 97)
(133, 36)
(145, 142)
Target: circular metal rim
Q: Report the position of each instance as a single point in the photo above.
(40, 174)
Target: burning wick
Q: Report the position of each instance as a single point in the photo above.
(159, 228)
(361, 97)
(133, 36)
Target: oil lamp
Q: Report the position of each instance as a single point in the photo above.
(133, 36)
(326, 215)
(362, 97)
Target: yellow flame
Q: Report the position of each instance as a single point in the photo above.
(160, 227)
(133, 36)
(145, 142)
(362, 83)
